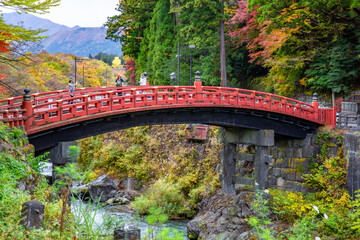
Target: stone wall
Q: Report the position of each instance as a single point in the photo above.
(349, 118)
(290, 161)
(352, 162)
(271, 161)
(281, 163)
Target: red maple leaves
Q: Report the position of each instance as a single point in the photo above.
(4, 45)
(260, 39)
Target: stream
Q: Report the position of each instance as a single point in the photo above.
(116, 215)
(119, 215)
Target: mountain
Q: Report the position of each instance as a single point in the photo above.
(80, 41)
(29, 21)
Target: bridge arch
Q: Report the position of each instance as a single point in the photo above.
(226, 117)
(57, 116)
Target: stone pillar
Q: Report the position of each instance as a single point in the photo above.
(262, 160)
(59, 156)
(315, 104)
(228, 166)
(32, 215)
(261, 139)
(130, 234)
(352, 162)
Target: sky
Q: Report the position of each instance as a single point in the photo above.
(84, 13)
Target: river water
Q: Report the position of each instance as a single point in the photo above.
(103, 216)
(100, 216)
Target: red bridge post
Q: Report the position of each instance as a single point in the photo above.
(315, 104)
(198, 88)
(27, 105)
(333, 116)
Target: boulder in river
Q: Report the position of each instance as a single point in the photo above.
(118, 200)
(81, 192)
(103, 187)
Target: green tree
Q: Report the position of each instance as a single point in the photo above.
(13, 38)
(198, 24)
(128, 27)
(335, 70)
(285, 36)
(156, 47)
(151, 30)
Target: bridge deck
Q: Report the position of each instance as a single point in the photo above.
(58, 108)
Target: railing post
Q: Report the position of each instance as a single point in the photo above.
(334, 117)
(27, 105)
(315, 104)
(198, 88)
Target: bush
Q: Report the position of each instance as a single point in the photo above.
(260, 220)
(163, 195)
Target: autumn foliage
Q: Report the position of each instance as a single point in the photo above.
(4, 45)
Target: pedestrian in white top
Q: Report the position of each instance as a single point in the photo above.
(143, 79)
(71, 87)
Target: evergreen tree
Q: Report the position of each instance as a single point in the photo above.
(128, 27)
(157, 56)
(335, 70)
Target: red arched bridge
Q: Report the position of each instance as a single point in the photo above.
(53, 117)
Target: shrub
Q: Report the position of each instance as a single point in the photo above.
(260, 220)
(290, 205)
(163, 195)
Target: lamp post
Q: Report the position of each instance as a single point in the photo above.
(191, 47)
(79, 60)
(83, 80)
(172, 78)
(106, 79)
(178, 56)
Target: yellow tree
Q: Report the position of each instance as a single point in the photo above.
(116, 62)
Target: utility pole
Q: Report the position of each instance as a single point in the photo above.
(178, 75)
(76, 60)
(222, 48)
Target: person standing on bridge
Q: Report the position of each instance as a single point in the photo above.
(118, 83)
(143, 79)
(71, 87)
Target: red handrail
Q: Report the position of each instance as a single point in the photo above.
(44, 109)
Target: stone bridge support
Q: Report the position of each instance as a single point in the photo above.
(352, 162)
(262, 140)
(59, 156)
(274, 161)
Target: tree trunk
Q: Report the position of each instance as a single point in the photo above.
(222, 48)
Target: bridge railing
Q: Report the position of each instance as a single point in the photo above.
(261, 101)
(53, 107)
(14, 117)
